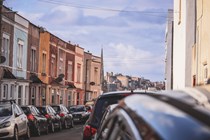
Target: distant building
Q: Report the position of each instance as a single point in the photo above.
(112, 87)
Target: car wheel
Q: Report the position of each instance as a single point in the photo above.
(47, 130)
(65, 124)
(52, 128)
(38, 132)
(60, 126)
(72, 123)
(15, 137)
(28, 134)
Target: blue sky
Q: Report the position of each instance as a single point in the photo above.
(131, 32)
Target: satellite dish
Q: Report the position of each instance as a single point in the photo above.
(2, 59)
(92, 83)
(61, 75)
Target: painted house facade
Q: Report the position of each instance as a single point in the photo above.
(91, 75)
(69, 75)
(37, 89)
(79, 65)
(43, 70)
(201, 54)
(8, 80)
(183, 41)
(15, 84)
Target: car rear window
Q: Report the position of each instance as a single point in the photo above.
(101, 105)
(26, 110)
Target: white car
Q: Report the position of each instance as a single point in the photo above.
(13, 122)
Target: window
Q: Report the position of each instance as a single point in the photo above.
(5, 91)
(43, 96)
(205, 74)
(53, 96)
(61, 62)
(33, 95)
(180, 11)
(53, 65)
(20, 88)
(96, 75)
(70, 71)
(20, 54)
(33, 60)
(44, 58)
(5, 48)
(78, 72)
(69, 98)
(12, 90)
(61, 97)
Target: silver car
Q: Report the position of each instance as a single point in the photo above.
(13, 122)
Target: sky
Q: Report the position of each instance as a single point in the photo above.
(131, 32)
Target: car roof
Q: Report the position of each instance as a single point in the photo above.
(8, 101)
(166, 116)
(113, 93)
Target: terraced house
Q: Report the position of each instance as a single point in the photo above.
(41, 68)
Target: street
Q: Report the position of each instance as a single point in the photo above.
(66, 134)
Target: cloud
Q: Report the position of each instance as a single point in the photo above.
(128, 59)
(62, 15)
(133, 42)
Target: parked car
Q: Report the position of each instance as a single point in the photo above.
(13, 122)
(53, 119)
(89, 108)
(66, 116)
(177, 116)
(79, 112)
(106, 114)
(101, 103)
(37, 122)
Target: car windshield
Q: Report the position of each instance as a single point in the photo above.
(5, 110)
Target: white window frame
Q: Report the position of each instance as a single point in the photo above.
(33, 59)
(53, 61)
(5, 50)
(44, 63)
(20, 94)
(12, 91)
(79, 73)
(70, 71)
(96, 75)
(69, 98)
(20, 54)
(4, 91)
(33, 95)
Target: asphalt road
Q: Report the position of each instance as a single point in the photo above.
(66, 134)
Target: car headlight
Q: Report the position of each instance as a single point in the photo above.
(5, 124)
